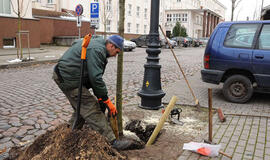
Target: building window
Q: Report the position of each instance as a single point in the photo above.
(178, 1)
(184, 17)
(109, 5)
(108, 25)
(169, 17)
(50, 1)
(144, 29)
(176, 17)
(38, 1)
(137, 28)
(128, 27)
(145, 13)
(138, 12)
(129, 9)
(5, 7)
(9, 42)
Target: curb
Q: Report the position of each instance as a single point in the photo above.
(26, 64)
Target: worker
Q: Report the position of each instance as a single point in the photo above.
(67, 76)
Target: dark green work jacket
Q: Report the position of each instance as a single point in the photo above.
(96, 60)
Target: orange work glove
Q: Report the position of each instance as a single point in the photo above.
(111, 107)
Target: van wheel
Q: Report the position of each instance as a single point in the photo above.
(237, 89)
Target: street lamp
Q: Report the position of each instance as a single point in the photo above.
(151, 92)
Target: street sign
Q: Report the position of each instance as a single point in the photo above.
(79, 22)
(79, 9)
(94, 10)
(94, 14)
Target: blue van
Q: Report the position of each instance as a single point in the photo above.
(238, 55)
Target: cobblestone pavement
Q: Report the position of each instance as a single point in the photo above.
(31, 103)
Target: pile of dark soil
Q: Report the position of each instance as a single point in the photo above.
(143, 133)
(62, 143)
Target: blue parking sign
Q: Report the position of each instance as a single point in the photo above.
(94, 10)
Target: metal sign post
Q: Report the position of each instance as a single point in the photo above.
(79, 11)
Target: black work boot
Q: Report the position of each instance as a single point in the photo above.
(121, 144)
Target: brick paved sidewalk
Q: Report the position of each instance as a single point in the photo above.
(243, 137)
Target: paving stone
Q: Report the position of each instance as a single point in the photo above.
(8, 144)
(240, 149)
(7, 134)
(40, 121)
(28, 137)
(37, 126)
(4, 140)
(28, 122)
(16, 124)
(257, 158)
(32, 131)
(27, 127)
(5, 126)
(44, 126)
(21, 132)
(40, 132)
(1, 136)
(259, 152)
(15, 141)
(237, 156)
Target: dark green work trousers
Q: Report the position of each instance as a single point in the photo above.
(90, 111)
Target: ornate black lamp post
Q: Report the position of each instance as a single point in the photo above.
(151, 92)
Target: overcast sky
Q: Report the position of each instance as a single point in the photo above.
(246, 8)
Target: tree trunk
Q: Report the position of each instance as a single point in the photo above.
(233, 7)
(120, 68)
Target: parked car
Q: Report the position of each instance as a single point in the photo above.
(164, 43)
(204, 40)
(196, 42)
(181, 41)
(141, 40)
(129, 45)
(238, 55)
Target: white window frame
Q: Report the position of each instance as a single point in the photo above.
(6, 3)
(184, 17)
(10, 46)
(137, 28)
(129, 9)
(128, 27)
(109, 5)
(138, 12)
(145, 13)
(50, 1)
(144, 30)
(108, 25)
(169, 17)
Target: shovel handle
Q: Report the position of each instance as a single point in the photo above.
(86, 41)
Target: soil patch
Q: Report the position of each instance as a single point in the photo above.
(170, 142)
(62, 143)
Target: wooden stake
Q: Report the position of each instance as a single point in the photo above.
(162, 120)
(210, 113)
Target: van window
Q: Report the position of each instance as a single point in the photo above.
(240, 35)
(264, 38)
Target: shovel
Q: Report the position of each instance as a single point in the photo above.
(85, 43)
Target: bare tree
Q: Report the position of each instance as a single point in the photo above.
(107, 9)
(235, 3)
(20, 12)
(120, 68)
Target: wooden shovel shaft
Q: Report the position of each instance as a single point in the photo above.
(114, 126)
(183, 73)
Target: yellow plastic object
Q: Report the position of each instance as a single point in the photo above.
(86, 41)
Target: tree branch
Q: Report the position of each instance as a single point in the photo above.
(237, 3)
(12, 6)
(26, 8)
